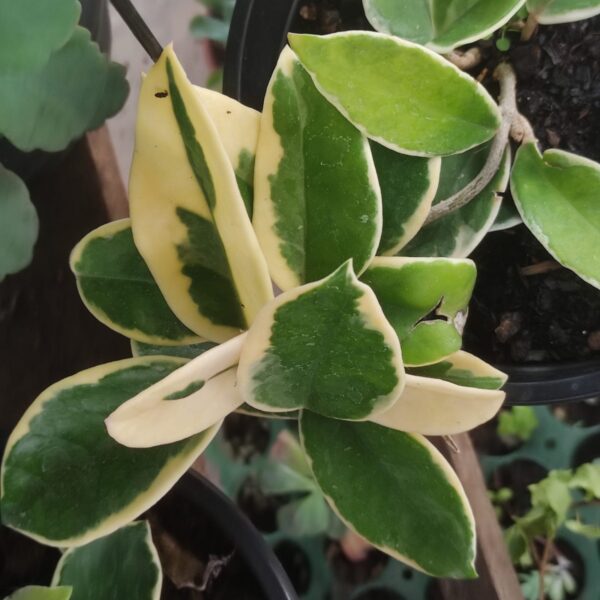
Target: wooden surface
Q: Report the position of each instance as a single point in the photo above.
(46, 333)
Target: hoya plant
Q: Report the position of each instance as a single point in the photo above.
(55, 85)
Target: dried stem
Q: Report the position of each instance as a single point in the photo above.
(465, 60)
(505, 75)
(138, 27)
(529, 28)
(542, 566)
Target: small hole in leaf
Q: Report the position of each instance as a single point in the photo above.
(162, 94)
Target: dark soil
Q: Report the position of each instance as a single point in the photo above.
(247, 436)
(260, 508)
(487, 441)
(354, 573)
(296, 564)
(583, 414)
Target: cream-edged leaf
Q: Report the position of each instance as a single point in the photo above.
(188, 351)
(38, 592)
(188, 217)
(398, 93)
(325, 346)
(552, 12)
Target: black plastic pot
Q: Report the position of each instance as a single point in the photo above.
(257, 35)
(95, 18)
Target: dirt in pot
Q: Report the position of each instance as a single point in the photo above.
(486, 440)
(247, 436)
(329, 16)
(582, 414)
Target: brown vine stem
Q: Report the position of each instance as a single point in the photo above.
(543, 565)
(507, 100)
(465, 60)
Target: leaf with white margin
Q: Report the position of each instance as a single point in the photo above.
(56, 102)
(551, 12)
(65, 481)
(188, 351)
(432, 406)
(38, 592)
(18, 224)
(410, 289)
(325, 346)
(508, 216)
(188, 217)
(398, 93)
(124, 564)
(237, 126)
(558, 196)
(119, 290)
(318, 201)
(408, 187)
(441, 25)
(457, 234)
(394, 489)
(190, 400)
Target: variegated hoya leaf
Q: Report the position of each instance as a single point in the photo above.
(454, 396)
(188, 217)
(188, 352)
(459, 233)
(551, 12)
(558, 196)
(400, 94)
(190, 400)
(508, 216)
(38, 592)
(409, 504)
(325, 346)
(119, 290)
(65, 481)
(440, 24)
(318, 201)
(124, 564)
(410, 289)
(408, 186)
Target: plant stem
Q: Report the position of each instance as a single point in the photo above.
(542, 566)
(530, 27)
(505, 75)
(465, 60)
(138, 27)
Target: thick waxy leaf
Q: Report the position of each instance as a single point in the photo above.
(37, 592)
(458, 233)
(394, 489)
(123, 564)
(188, 352)
(408, 186)
(65, 481)
(550, 12)
(440, 24)
(410, 289)
(317, 196)
(119, 290)
(465, 396)
(188, 216)
(508, 216)
(400, 94)
(49, 106)
(325, 346)
(237, 126)
(558, 196)
(31, 30)
(18, 224)
(188, 401)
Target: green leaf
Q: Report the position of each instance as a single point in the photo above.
(408, 186)
(551, 12)
(48, 106)
(400, 94)
(394, 489)
(318, 201)
(410, 289)
(306, 516)
(442, 25)
(36, 592)
(587, 478)
(191, 399)
(206, 27)
(325, 346)
(188, 216)
(119, 290)
(188, 352)
(123, 564)
(18, 224)
(31, 30)
(458, 233)
(558, 196)
(588, 530)
(518, 422)
(508, 216)
(65, 481)
(552, 494)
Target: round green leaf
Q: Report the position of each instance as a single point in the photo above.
(37, 592)
(550, 12)
(18, 224)
(395, 490)
(440, 24)
(325, 346)
(31, 30)
(399, 94)
(119, 290)
(73, 92)
(123, 564)
(65, 481)
(558, 196)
